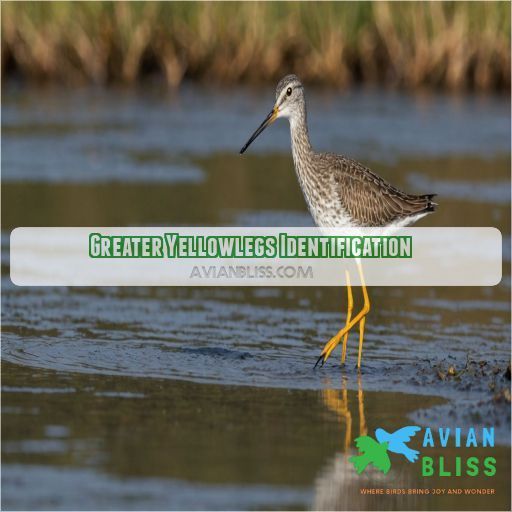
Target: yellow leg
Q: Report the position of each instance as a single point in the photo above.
(349, 316)
(348, 419)
(360, 399)
(361, 336)
(366, 307)
(333, 342)
(337, 401)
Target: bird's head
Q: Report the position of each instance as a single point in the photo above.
(380, 434)
(289, 96)
(289, 102)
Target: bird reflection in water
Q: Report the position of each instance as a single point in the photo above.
(338, 486)
(336, 400)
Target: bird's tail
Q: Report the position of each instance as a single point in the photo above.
(420, 204)
(431, 206)
(360, 462)
(412, 455)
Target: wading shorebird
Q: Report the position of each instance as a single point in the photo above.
(340, 192)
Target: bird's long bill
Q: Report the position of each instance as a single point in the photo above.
(268, 121)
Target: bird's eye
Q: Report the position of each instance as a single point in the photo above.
(289, 91)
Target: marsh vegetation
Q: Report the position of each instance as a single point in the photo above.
(454, 45)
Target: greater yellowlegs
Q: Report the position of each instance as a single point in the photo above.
(340, 192)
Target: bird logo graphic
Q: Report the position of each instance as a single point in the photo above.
(375, 452)
(397, 441)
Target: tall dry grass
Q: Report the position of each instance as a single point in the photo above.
(411, 44)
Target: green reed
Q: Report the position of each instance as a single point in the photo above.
(456, 45)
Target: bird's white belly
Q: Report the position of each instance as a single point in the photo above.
(328, 212)
(329, 215)
(325, 206)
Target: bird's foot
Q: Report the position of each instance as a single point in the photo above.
(331, 345)
(360, 319)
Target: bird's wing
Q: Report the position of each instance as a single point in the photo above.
(382, 462)
(371, 200)
(366, 444)
(404, 434)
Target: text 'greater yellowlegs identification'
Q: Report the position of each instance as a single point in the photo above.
(340, 192)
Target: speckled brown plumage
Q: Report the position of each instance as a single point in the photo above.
(340, 192)
(368, 199)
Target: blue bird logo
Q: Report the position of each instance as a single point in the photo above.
(397, 441)
(374, 452)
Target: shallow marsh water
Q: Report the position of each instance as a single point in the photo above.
(162, 398)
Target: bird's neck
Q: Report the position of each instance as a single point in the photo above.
(301, 146)
(299, 132)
